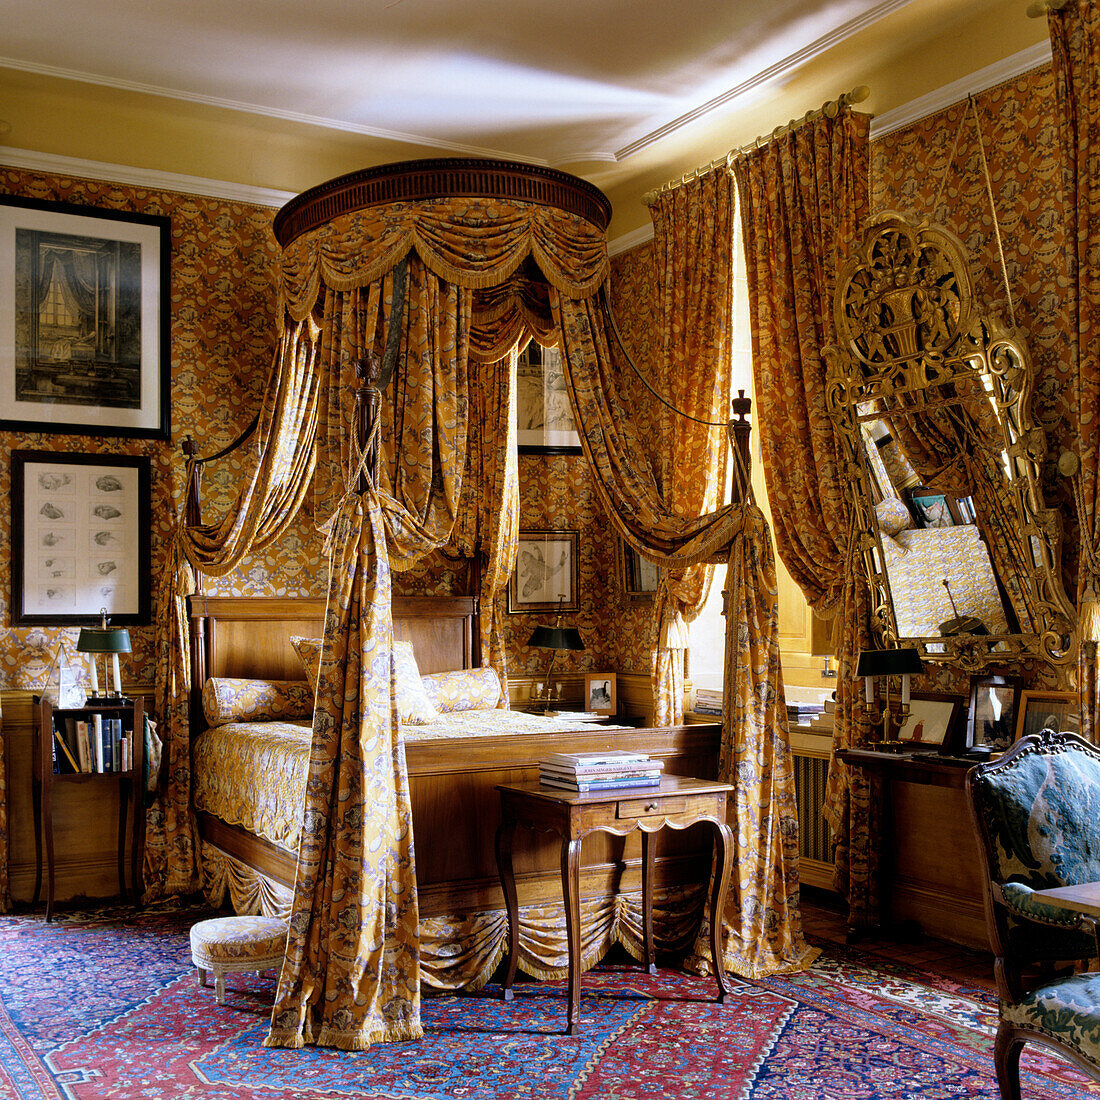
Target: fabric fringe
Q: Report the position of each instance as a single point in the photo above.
(1088, 616)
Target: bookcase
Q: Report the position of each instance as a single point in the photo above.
(62, 758)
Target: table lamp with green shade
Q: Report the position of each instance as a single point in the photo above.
(104, 639)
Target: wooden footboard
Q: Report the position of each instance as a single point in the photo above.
(456, 810)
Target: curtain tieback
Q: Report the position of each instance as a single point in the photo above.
(1088, 610)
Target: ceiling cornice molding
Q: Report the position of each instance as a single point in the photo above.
(642, 235)
(257, 109)
(142, 177)
(1006, 69)
(786, 66)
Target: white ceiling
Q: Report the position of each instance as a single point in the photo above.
(589, 86)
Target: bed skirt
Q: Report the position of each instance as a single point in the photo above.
(461, 952)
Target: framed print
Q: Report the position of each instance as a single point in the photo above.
(991, 719)
(599, 692)
(639, 575)
(545, 577)
(1056, 710)
(931, 719)
(544, 414)
(80, 538)
(84, 320)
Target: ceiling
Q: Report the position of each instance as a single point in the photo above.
(621, 92)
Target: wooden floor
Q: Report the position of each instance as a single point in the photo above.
(824, 920)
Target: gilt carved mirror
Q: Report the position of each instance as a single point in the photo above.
(932, 405)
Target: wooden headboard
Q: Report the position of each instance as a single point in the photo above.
(249, 636)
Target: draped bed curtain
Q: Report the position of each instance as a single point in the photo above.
(1075, 42)
(803, 196)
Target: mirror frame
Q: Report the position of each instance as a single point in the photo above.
(906, 325)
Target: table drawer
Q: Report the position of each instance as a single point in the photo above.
(651, 807)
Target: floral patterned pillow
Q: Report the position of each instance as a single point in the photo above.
(466, 689)
(231, 700)
(893, 517)
(413, 705)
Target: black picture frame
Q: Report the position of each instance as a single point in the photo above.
(992, 714)
(932, 719)
(80, 539)
(544, 413)
(639, 576)
(545, 576)
(84, 347)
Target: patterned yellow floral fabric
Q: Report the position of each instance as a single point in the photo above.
(803, 196)
(274, 478)
(238, 943)
(1075, 43)
(466, 689)
(309, 653)
(231, 700)
(227, 759)
(916, 570)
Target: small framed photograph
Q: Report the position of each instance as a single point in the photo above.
(931, 508)
(544, 412)
(84, 338)
(991, 719)
(1056, 710)
(599, 692)
(545, 578)
(80, 538)
(931, 720)
(639, 576)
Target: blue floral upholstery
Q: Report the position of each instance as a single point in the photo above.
(1037, 814)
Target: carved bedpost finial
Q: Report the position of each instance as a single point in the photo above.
(368, 369)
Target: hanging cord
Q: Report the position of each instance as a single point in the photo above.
(972, 108)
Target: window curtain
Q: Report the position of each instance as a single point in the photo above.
(803, 195)
(762, 919)
(282, 461)
(1075, 41)
(693, 249)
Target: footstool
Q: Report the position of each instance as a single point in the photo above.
(226, 945)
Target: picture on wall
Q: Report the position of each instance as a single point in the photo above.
(84, 340)
(992, 717)
(545, 577)
(639, 575)
(544, 413)
(80, 538)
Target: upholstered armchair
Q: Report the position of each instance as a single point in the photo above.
(1037, 815)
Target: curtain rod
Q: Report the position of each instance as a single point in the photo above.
(830, 108)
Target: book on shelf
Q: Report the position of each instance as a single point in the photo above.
(83, 748)
(581, 786)
(64, 762)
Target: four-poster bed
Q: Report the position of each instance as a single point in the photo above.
(423, 279)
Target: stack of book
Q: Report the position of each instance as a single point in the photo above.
(803, 714)
(708, 700)
(96, 745)
(599, 771)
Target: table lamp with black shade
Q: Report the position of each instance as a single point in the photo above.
(555, 638)
(106, 640)
(875, 664)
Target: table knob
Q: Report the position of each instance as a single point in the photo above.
(651, 806)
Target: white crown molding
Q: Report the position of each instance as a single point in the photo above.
(1007, 69)
(773, 73)
(142, 177)
(256, 109)
(633, 239)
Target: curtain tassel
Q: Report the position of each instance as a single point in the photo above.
(1088, 615)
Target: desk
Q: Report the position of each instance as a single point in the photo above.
(677, 803)
(930, 866)
(1084, 898)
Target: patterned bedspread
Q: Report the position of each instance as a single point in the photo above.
(228, 761)
(917, 561)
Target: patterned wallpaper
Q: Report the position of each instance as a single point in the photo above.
(221, 331)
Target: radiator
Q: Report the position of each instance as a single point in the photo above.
(815, 849)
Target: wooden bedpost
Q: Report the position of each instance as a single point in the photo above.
(368, 405)
(192, 513)
(739, 429)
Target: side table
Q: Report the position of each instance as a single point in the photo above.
(679, 802)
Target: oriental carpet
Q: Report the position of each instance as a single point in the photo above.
(104, 1003)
